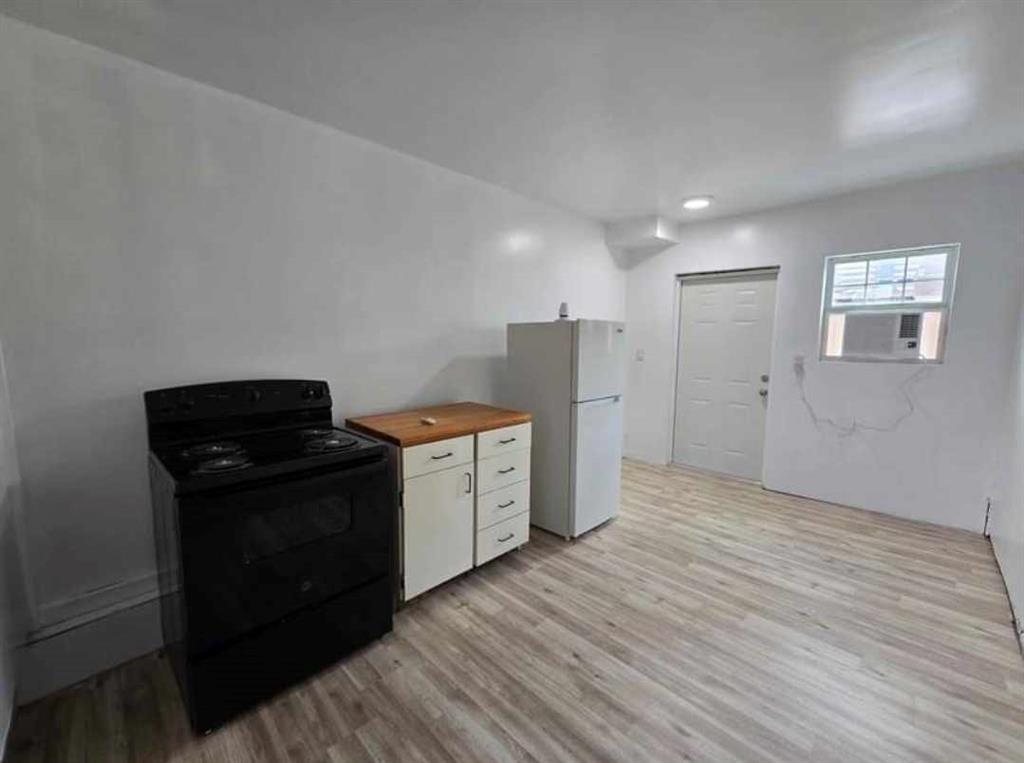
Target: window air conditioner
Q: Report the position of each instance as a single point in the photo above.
(882, 335)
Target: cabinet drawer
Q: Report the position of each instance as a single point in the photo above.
(434, 456)
(502, 537)
(502, 503)
(497, 442)
(499, 471)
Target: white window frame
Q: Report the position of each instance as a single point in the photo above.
(945, 306)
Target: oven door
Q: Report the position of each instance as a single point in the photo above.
(254, 554)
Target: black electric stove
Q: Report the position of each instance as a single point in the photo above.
(275, 535)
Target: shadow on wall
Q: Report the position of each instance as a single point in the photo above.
(478, 378)
(444, 376)
(14, 610)
(627, 258)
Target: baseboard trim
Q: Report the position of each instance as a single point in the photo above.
(1016, 618)
(73, 612)
(69, 653)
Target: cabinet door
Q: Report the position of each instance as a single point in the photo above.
(438, 528)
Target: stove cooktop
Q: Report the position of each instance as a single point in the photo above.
(252, 456)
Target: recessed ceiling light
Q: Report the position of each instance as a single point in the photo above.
(697, 202)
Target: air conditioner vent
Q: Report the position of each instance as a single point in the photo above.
(910, 326)
(882, 335)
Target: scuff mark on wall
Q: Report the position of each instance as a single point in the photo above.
(854, 426)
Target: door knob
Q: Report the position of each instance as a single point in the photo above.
(764, 378)
(763, 392)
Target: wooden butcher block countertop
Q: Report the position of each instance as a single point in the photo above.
(406, 428)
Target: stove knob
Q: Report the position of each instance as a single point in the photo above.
(186, 404)
(254, 395)
(309, 393)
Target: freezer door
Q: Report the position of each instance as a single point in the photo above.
(599, 359)
(597, 462)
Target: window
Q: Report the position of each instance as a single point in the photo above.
(889, 306)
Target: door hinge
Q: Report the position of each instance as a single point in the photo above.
(988, 515)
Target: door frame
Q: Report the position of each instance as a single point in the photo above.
(677, 308)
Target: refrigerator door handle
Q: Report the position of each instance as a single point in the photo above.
(608, 398)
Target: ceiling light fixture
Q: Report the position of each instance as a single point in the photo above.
(697, 202)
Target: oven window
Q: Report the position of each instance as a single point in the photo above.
(265, 533)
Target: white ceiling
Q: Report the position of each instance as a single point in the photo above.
(611, 108)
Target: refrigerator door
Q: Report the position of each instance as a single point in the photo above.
(599, 359)
(596, 463)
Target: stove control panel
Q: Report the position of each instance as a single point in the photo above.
(236, 398)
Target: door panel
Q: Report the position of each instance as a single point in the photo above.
(597, 432)
(725, 330)
(600, 362)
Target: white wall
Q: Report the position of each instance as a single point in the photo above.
(1007, 523)
(940, 463)
(163, 232)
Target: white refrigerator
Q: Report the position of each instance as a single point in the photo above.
(571, 376)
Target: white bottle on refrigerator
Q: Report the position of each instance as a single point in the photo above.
(571, 376)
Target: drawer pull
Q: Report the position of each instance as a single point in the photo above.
(446, 455)
(510, 536)
(506, 442)
(469, 482)
(506, 471)
(505, 505)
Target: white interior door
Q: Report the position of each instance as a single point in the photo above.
(725, 335)
(597, 462)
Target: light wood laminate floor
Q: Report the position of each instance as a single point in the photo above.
(712, 621)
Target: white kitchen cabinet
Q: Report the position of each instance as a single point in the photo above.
(464, 475)
(437, 541)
